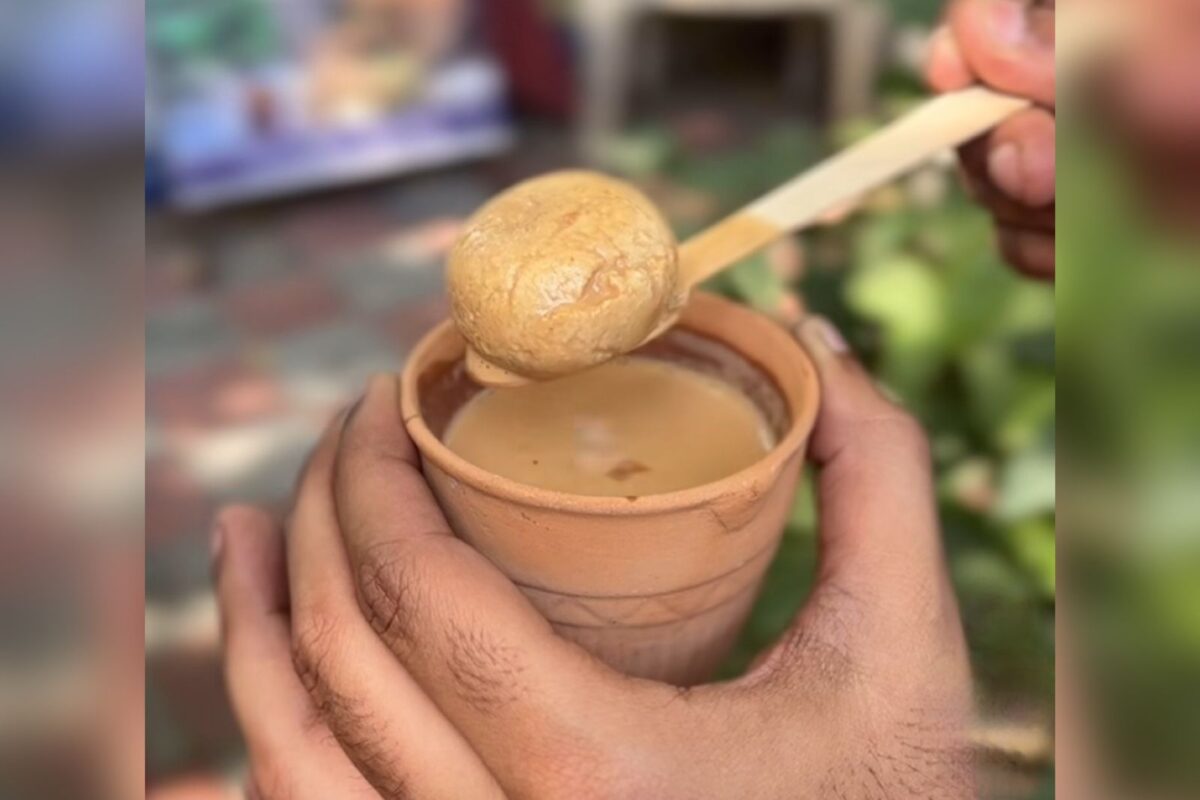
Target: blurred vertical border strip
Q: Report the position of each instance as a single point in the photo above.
(71, 399)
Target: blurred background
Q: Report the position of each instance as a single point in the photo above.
(305, 164)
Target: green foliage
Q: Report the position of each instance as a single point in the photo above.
(236, 32)
(1128, 297)
(915, 282)
(738, 175)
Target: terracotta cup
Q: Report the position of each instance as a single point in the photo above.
(657, 586)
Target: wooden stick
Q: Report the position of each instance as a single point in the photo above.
(938, 124)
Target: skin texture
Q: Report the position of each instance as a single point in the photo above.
(562, 272)
(1009, 46)
(438, 679)
(291, 752)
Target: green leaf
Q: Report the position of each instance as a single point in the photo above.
(902, 294)
(1034, 548)
(905, 298)
(1027, 485)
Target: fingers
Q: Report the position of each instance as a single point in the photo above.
(468, 636)
(1008, 45)
(875, 660)
(391, 730)
(251, 582)
(946, 70)
(1021, 158)
(1012, 173)
(878, 643)
(996, 41)
(1004, 209)
(1031, 252)
(290, 755)
(880, 539)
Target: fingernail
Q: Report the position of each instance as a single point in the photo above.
(821, 332)
(1004, 168)
(1008, 22)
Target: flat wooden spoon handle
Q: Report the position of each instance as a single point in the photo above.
(1086, 30)
(936, 125)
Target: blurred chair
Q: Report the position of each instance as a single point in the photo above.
(856, 30)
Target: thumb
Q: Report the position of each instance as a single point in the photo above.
(1009, 44)
(879, 535)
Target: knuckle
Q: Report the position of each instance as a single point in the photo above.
(915, 755)
(820, 651)
(487, 673)
(391, 591)
(342, 710)
(381, 766)
(314, 641)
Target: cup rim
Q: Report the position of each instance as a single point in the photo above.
(804, 414)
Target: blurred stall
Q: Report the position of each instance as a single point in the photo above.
(259, 98)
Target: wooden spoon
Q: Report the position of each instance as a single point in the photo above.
(941, 123)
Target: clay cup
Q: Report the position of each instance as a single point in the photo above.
(657, 586)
